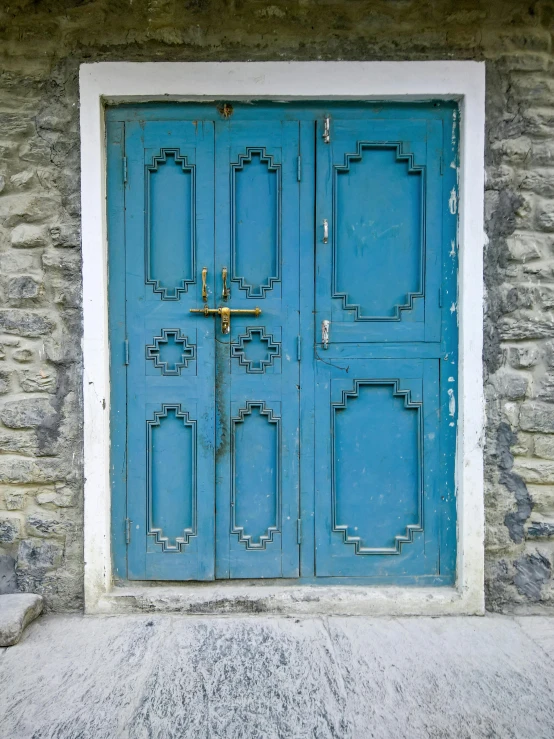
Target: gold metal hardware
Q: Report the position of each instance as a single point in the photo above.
(226, 313)
(204, 288)
(226, 292)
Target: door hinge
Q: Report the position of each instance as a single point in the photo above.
(126, 351)
(299, 168)
(298, 347)
(124, 169)
(440, 297)
(299, 531)
(441, 165)
(128, 523)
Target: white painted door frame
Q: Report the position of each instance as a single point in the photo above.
(112, 82)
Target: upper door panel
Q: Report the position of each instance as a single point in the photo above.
(379, 230)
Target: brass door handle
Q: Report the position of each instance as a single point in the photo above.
(226, 313)
(225, 293)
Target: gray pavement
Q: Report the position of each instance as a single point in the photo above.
(79, 677)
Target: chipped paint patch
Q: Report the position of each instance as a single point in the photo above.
(453, 202)
(453, 308)
(451, 403)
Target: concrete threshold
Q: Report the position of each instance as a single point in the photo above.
(284, 600)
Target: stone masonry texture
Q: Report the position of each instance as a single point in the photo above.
(42, 43)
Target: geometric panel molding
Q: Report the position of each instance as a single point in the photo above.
(255, 222)
(378, 237)
(255, 475)
(170, 224)
(377, 467)
(171, 351)
(171, 478)
(256, 350)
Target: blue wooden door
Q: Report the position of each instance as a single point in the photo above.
(383, 493)
(208, 448)
(266, 258)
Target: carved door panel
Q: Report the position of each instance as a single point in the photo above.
(257, 389)
(374, 509)
(171, 361)
(379, 264)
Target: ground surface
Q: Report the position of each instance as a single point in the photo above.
(177, 676)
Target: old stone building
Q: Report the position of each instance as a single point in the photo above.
(43, 44)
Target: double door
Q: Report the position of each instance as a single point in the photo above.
(278, 283)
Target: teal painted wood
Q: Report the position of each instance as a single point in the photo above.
(384, 503)
(393, 350)
(257, 239)
(171, 371)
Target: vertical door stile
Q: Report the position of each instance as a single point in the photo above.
(169, 239)
(257, 370)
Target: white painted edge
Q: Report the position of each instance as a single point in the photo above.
(119, 81)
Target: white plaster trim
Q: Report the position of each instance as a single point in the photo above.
(118, 81)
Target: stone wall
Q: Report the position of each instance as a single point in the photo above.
(42, 43)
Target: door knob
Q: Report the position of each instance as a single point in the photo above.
(226, 313)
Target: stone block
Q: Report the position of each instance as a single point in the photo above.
(14, 501)
(18, 442)
(544, 446)
(532, 572)
(8, 582)
(543, 498)
(22, 471)
(24, 287)
(540, 530)
(22, 180)
(19, 261)
(14, 124)
(534, 471)
(10, 530)
(544, 216)
(509, 385)
(523, 357)
(542, 154)
(28, 236)
(17, 610)
(45, 527)
(23, 355)
(525, 327)
(540, 181)
(28, 413)
(38, 556)
(5, 381)
(67, 261)
(535, 416)
(43, 381)
(25, 322)
(524, 247)
(64, 236)
(60, 497)
(35, 151)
